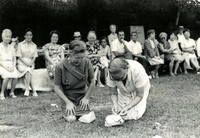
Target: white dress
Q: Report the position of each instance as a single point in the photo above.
(137, 78)
(7, 59)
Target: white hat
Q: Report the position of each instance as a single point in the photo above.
(76, 34)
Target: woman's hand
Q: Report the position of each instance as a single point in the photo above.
(70, 108)
(124, 110)
(115, 110)
(84, 103)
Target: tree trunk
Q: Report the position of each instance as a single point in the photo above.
(177, 17)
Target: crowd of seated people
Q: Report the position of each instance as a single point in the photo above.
(19, 62)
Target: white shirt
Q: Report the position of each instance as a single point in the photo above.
(181, 38)
(117, 46)
(135, 47)
(188, 43)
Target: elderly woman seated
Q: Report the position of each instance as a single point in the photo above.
(171, 52)
(129, 86)
(74, 82)
(151, 52)
(8, 70)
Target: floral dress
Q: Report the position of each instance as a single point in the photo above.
(168, 56)
(93, 50)
(55, 55)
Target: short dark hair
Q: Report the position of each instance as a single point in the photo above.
(134, 32)
(102, 38)
(77, 46)
(120, 31)
(54, 32)
(28, 30)
(150, 32)
(186, 30)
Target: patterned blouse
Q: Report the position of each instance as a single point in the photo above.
(93, 50)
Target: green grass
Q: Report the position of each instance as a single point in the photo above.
(173, 102)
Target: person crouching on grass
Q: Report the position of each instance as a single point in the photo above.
(129, 87)
(74, 82)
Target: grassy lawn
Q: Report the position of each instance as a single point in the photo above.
(173, 102)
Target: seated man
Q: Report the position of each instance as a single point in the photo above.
(136, 49)
(74, 82)
(119, 47)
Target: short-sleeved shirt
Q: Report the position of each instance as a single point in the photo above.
(27, 50)
(117, 46)
(188, 43)
(7, 54)
(135, 47)
(181, 38)
(137, 78)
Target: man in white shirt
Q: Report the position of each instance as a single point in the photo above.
(119, 47)
(135, 48)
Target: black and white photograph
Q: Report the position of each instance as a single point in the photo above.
(99, 68)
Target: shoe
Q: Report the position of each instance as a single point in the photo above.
(198, 71)
(175, 74)
(35, 94)
(26, 93)
(13, 95)
(100, 85)
(150, 77)
(2, 97)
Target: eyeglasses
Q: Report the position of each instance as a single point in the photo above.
(162, 38)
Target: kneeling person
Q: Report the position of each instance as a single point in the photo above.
(129, 86)
(74, 82)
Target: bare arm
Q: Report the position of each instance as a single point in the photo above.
(46, 54)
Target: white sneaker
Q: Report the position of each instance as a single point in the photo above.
(26, 93)
(35, 94)
(150, 77)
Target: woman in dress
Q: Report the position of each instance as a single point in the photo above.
(188, 46)
(105, 54)
(129, 87)
(92, 49)
(53, 53)
(74, 82)
(27, 53)
(8, 69)
(178, 54)
(169, 54)
(151, 52)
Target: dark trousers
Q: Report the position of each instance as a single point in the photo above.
(144, 63)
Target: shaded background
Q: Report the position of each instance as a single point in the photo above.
(68, 16)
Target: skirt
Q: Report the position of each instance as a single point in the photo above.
(5, 73)
(22, 68)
